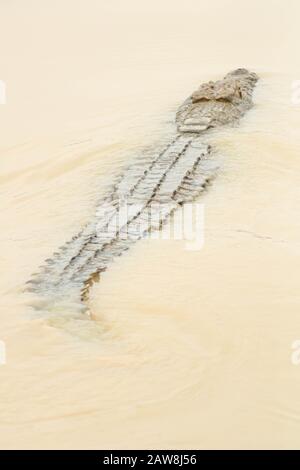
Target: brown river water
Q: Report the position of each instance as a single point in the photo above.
(187, 349)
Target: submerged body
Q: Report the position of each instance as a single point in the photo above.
(148, 192)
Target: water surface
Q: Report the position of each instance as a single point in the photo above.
(188, 349)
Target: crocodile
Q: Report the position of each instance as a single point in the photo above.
(151, 190)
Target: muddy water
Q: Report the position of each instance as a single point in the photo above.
(188, 349)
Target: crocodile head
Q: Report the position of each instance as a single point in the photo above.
(217, 103)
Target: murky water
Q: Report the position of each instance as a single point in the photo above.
(188, 349)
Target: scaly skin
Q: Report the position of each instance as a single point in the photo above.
(152, 189)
